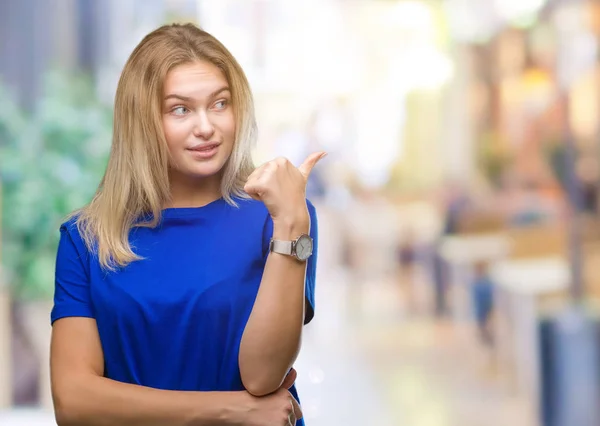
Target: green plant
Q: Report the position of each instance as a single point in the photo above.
(51, 161)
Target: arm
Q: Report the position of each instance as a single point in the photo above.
(269, 348)
(272, 337)
(82, 396)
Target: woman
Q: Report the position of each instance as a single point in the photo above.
(182, 288)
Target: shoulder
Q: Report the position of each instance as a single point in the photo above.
(70, 222)
(70, 229)
(69, 226)
(250, 207)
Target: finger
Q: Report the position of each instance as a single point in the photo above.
(297, 409)
(292, 416)
(280, 161)
(290, 379)
(258, 172)
(306, 167)
(254, 189)
(254, 175)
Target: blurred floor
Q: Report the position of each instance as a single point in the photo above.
(434, 374)
(379, 369)
(376, 348)
(371, 357)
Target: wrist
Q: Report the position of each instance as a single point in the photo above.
(234, 410)
(290, 228)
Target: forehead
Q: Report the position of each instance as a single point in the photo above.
(197, 78)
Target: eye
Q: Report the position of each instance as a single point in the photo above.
(180, 110)
(222, 104)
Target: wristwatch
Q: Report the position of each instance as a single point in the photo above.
(301, 248)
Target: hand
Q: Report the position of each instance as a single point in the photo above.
(277, 409)
(290, 379)
(282, 187)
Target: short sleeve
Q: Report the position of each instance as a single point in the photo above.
(71, 283)
(311, 266)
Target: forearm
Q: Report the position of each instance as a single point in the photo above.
(97, 401)
(271, 339)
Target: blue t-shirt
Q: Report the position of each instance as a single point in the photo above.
(175, 320)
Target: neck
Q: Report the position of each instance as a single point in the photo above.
(189, 192)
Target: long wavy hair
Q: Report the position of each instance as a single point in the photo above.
(135, 187)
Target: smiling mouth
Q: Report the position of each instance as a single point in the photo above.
(204, 148)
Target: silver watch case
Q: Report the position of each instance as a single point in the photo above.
(301, 248)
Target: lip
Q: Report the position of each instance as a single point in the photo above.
(205, 150)
(204, 146)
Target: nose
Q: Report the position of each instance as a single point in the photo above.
(203, 127)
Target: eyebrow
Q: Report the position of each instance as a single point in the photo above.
(188, 99)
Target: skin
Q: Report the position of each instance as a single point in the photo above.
(197, 111)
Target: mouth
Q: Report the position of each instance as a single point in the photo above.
(205, 147)
(204, 151)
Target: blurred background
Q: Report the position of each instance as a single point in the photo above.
(458, 206)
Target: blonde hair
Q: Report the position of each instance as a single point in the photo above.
(135, 186)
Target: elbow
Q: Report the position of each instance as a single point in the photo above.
(66, 411)
(259, 389)
(264, 374)
(261, 384)
(65, 414)
(62, 418)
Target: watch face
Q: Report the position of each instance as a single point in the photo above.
(304, 247)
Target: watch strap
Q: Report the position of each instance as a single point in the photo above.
(282, 247)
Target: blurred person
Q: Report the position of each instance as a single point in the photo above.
(532, 203)
(455, 202)
(440, 282)
(588, 174)
(182, 288)
(407, 259)
(406, 251)
(482, 294)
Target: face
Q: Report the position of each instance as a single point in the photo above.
(198, 120)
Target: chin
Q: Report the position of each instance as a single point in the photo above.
(200, 169)
(205, 170)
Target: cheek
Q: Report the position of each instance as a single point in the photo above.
(174, 133)
(228, 127)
